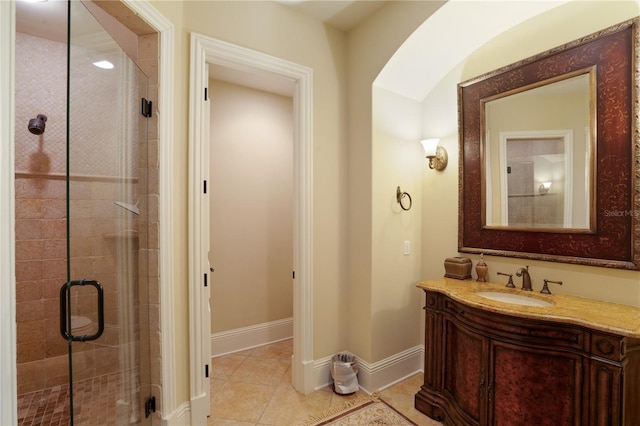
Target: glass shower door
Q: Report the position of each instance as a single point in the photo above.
(104, 303)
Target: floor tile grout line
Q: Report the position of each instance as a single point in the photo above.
(401, 392)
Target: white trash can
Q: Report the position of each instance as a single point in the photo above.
(344, 371)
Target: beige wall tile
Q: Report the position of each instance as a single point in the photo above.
(148, 46)
(28, 209)
(54, 228)
(29, 290)
(31, 331)
(27, 229)
(30, 351)
(29, 270)
(29, 249)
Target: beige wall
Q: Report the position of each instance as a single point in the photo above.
(381, 318)
(269, 28)
(397, 161)
(364, 295)
(385, 275)
(251, 194)
(534, 36)
(342, 250)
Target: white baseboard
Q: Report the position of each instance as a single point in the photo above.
(371, 377)
(379, 375)
(180, 417)
(322, 373)
(239, 339)
(199, 409)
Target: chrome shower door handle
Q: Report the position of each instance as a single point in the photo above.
(66, 320)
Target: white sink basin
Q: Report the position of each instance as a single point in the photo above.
(515, 299)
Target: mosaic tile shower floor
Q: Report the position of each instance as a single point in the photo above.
(95, 402)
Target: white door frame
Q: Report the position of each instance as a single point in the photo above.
(204, 51)
(8, 369)
(170, 410)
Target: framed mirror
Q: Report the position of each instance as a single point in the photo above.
(550, 154)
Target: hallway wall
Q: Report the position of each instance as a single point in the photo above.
(251, 212)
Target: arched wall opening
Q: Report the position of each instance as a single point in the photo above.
(415, 97)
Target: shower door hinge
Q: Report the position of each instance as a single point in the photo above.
(294, 275)
(204, 187)
(205, 280)
(205, 94)
(149, 406)
(146, 108)
(206, 370)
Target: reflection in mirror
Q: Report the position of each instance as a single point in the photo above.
(538, 155)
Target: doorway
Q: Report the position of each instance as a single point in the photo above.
(81, 189)
(206, 51)
(251, 209)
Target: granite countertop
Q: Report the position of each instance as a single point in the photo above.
(599, 315)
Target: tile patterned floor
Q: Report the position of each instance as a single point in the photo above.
(248, 388)
(44, 407)
(95, 403)
(253, 388)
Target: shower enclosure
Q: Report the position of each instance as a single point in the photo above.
(82, 221)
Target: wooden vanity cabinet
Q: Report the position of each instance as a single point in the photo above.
(486, 368)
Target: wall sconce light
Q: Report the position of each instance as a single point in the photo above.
(543, 189)
(436, 154)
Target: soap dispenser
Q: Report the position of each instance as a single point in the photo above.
(482, 269)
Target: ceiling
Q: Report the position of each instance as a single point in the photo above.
(46, 19)
(411, 72)
(341, 14)
(420, 64)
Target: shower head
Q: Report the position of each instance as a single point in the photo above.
(36, 125)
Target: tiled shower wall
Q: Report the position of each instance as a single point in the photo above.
(148, 58)
(40, 213)
(41, 229)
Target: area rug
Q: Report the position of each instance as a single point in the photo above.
(362, 412)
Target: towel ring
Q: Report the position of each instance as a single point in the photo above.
(399, 197)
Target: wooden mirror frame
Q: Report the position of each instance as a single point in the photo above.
(615, 242)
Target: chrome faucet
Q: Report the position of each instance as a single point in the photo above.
(526, 278)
